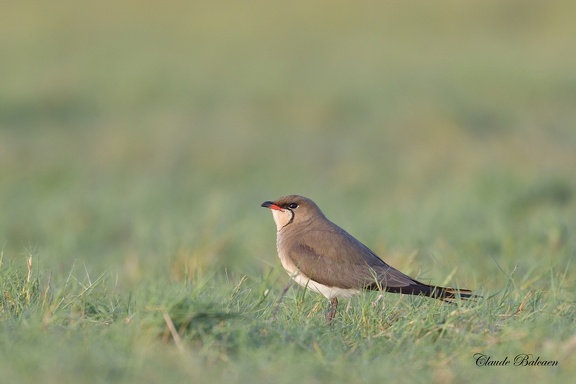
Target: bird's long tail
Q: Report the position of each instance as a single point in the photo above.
(441, 293)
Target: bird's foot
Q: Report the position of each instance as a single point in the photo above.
(331, 314)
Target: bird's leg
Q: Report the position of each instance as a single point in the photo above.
(331, 314)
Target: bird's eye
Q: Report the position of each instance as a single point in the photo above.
(292, 205)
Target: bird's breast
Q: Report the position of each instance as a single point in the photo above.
(285, 259)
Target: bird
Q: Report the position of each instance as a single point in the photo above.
(326, 259)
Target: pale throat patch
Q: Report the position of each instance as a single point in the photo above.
(281, 218)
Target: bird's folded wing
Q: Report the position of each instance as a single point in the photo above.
(344, 262)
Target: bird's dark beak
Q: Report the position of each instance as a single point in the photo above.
(271, 205)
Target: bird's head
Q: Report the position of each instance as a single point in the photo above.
(291, 210)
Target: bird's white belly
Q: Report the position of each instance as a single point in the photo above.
(328, 292)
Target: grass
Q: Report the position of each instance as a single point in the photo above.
(137, 143)
(233, 328)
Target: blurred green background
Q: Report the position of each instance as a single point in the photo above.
(142, 136)
(138, 139)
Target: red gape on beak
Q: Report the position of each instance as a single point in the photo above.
(271, 205)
